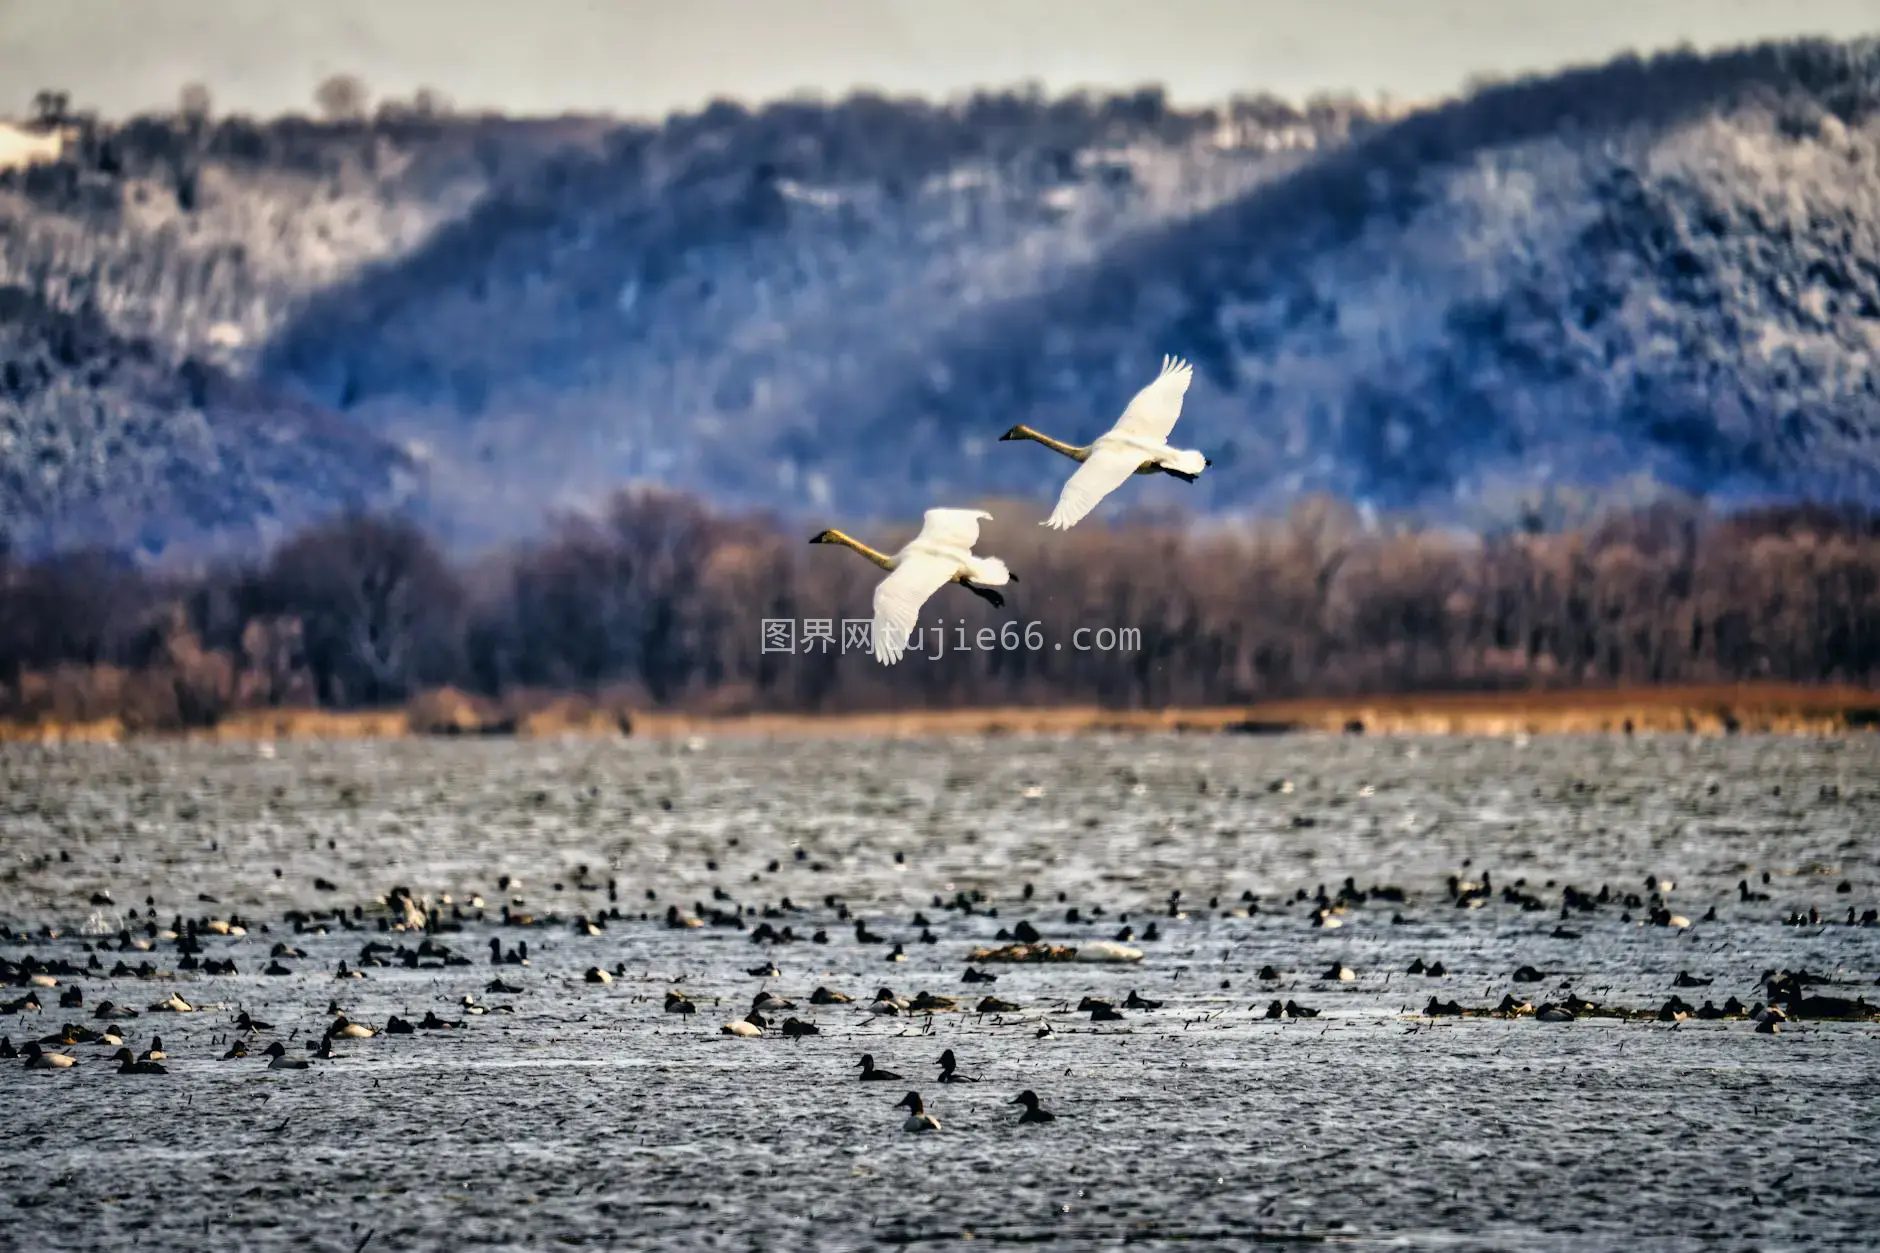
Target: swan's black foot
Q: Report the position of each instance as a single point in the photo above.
(1186, 478)
(986, 594)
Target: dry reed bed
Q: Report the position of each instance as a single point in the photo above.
(1718, 709)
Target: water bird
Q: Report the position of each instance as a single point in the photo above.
(36, 1059)
(918, 1119)
(886, 1002)
(1136, 444)
(1135, 1001)
(155, 1052)
(823, 996)
(239, 1049)
(128, 1065)
(749, 1027)
(940, 554)
(870, 1074)
(279, 1060)
(1033, 1111)
(949, 1070)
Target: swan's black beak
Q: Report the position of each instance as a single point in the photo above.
(821, 537)
(1010, 575)
(1011, 434)
(1207, 461)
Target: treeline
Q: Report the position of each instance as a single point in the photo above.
(659, 601)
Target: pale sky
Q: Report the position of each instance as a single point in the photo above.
(645, 58)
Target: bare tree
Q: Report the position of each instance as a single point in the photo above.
(381, 614)
(50, 107)
(429, 102)
(194, 103)
(342, 97)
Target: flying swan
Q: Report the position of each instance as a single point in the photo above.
(941, 554)
(1137, 444)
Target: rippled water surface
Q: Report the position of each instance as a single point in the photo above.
(587, 1116)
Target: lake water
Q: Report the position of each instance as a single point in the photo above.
(589, 1117)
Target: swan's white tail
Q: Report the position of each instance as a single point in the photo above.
(1186, 460)
(989, 572)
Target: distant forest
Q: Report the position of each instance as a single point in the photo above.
(658, 601)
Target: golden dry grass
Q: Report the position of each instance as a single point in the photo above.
(1691, 709)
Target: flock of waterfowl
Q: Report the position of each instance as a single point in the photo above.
(405, 931)
(942, 552)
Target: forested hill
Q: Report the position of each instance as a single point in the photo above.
(1668, 266)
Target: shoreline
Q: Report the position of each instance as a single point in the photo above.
(1711, 709)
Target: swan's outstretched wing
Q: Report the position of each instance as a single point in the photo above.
(899, 597)
(1152, 413)
(952, 528)
(1106, 469)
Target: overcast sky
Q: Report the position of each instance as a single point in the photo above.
(649, 57)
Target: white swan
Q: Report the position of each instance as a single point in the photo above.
(942, 553)
(1137, 444)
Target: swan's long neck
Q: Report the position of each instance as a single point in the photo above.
(849, 541)
(1055, 445)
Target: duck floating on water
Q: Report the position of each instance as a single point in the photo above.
(39, 1060)
(870, 1074)
(279, 1060)
(918, 1119)
(949, 1070)
(1033, 1111)
(128, 1065)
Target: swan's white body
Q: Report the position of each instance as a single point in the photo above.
(1137, 444)
(941, 553)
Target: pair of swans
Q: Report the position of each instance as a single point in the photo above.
(943, 551)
